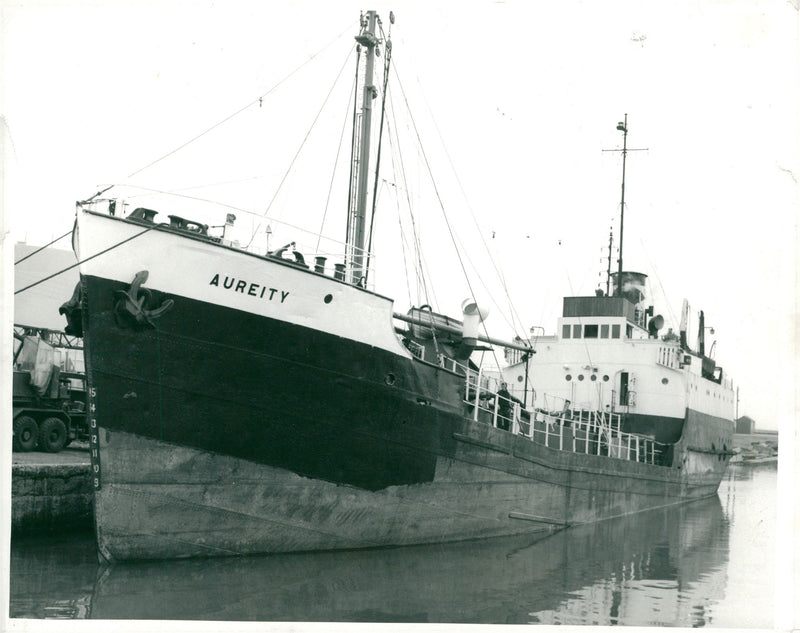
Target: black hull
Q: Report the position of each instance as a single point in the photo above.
(270, 392)
(222, 432)
(666, 430)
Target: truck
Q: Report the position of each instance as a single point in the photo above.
(48, 402)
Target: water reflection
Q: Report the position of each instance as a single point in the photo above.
(52, 577)
(668, 574)
(670, 578)
(659, 567)
(700, 564)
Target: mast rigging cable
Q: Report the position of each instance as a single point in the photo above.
(299, 149)
(257, 100)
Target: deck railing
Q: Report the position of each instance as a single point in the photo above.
(573, 429)
(309, 249)
(415, 348)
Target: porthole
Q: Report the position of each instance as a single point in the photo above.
(519, 378)
(328, 298)
(605, 378)
(569, 377)
(593, 377)
(390, 378)
(580, 377)
(665, 381)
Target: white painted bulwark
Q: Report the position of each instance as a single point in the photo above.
(198, 269)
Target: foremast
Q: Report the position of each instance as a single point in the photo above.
(356, 233)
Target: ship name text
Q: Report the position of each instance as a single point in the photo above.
(259, 291)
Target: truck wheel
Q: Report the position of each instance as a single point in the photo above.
(52, 435)
(26, 432)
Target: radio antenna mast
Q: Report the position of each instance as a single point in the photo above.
(622, 126)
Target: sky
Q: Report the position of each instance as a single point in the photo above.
(514, 101)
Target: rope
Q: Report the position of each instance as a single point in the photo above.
(176, 193)
(402, 240)
(514, 312)
(219, 204)
(249, 105)
(386, 64)
(38, 250)
(441, 206)
(399, 167)
(402, 233)
(333, 173)
(299, 149)
(63, 270)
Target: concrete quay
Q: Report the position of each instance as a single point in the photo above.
(747, 439)
(51, 491)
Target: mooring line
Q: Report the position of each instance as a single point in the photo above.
(38, 250)
(63, 270)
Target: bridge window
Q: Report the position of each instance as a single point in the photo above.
(604, 331)
(615, 331)
(565, 331)
(590, 331)
(576, 331)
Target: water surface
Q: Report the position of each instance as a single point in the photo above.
(707, 563)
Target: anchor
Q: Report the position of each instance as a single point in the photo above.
(131, 304)
(72, 311)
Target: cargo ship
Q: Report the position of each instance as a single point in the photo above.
(245, 402)
(610, 360)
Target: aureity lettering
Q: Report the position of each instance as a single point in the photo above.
(249, 288)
